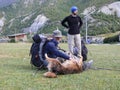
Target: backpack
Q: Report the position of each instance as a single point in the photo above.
(36, 50)
(84, 51)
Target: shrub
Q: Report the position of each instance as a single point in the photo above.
(12, 41)
(111, 39)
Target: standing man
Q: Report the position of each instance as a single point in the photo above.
(73, 22)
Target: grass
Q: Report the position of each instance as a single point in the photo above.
(16, 72)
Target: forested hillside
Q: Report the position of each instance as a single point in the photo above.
(45, 15)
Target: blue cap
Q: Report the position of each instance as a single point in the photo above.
(73, 9)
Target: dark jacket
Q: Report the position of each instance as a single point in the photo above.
(51, 49)
(73, 24)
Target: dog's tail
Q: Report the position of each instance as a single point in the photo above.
(50, 75)
(48, 59)
(51, 59)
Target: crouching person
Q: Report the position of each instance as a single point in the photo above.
(51, 48)
(42, 46)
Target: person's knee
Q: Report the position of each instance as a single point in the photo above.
(87, 65)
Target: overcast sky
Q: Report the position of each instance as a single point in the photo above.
(4, 3)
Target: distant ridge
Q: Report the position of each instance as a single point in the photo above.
(4, 3)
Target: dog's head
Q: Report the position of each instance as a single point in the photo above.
(54, 65)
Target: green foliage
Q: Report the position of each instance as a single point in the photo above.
(56, 11)
(108, 24)
(29, 37)
(111, 39)
(12, 41)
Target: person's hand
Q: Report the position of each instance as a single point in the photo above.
(70, 58)
(36, 56)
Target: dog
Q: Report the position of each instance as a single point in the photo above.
(55, 67)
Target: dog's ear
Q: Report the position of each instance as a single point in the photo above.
(50, 75)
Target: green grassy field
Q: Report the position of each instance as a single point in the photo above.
(16, 72)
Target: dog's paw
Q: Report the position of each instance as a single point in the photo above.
(50, 75)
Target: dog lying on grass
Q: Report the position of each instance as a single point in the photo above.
(55, 67)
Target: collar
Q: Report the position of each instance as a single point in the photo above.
(55, 42)
(73, 15)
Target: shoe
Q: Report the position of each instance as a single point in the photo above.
(87, 65)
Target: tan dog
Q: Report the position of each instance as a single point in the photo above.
(68, 67)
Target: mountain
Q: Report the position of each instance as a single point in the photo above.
(44, 16)
(4, 3)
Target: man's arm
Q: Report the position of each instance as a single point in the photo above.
(80, 23)
(64, 21)
(52, 48)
